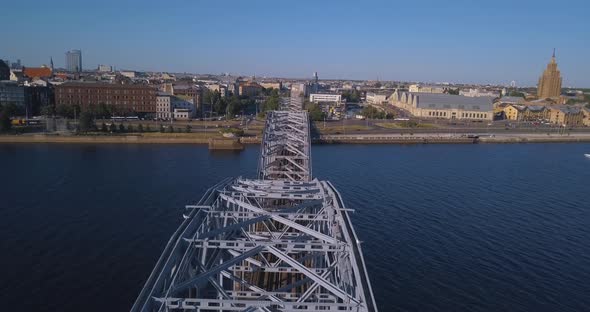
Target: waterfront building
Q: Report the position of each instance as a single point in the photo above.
(124, 98)
(182, 114)
(249, 88)
(12, 93)
(566, 115)
(74, 61)
(550, 82)
(163, 105)
(4, 71)
(448, 106)
(37, 72)
(191, 91)
(38, 94)
(325, 97)
(417, 88)
(514, 112)
(183, 107)
(375, 98)
(478, 92)
(586, 120)
(536, 112)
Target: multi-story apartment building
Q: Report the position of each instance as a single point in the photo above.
(123, 98)
(325, 97)
(194, 92)
(249, 89)
(163, 105)
(272, 85)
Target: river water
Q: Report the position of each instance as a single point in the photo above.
(444, 227)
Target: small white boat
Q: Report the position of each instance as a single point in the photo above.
(587, 155)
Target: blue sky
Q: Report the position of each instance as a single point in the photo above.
(435, 41)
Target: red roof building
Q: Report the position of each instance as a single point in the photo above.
(37, 72)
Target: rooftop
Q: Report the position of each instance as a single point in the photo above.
(96, 84)
(37, 72)
(451, 101)
(566, 109)
(511, 99)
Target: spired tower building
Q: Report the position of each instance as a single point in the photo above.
(550, 81)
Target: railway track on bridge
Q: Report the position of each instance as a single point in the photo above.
(280, 242)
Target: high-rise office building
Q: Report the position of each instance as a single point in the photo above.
(74, 61)
(550, 81)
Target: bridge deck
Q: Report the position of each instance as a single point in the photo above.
(281, 242)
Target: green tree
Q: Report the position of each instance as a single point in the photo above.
(162, 129)
(121, 128)
(104, 128)
(148, 128)
(48, 110)
(352, 96)
(373, 113)
(516, 93)
(140, 128)
(171, 129)
(315, 112)
(113, 128)
(271, 103)
(188, 128)
(130, 128)
(234, 106)
(86, 122)
(64, 110)
(103, 111)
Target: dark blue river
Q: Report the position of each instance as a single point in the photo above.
(444, 227)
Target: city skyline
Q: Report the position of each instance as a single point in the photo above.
(431, 42)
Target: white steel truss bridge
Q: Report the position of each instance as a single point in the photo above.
(280, 242)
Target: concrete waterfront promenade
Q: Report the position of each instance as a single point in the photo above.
(383, 138)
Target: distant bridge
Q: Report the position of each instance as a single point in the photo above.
(280, 242)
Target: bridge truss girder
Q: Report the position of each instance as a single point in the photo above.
(238, 250)
(285, 150)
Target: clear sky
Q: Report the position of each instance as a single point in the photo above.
(433, 41)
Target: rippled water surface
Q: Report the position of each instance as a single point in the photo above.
(444, 227)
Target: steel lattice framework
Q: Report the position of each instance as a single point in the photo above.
(282, 242)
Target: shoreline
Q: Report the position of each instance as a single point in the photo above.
(325, 139)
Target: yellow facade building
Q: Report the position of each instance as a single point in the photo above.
(586, 120)
(514, 112)
(566, 115)
(536, 112)
(550, 81)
